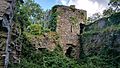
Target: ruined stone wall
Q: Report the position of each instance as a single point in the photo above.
(4, 5)
(10, 46)
(68, 25)
(102, 34)
(46, 41)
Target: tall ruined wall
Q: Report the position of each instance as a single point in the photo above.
(102, 33)
(101, 30)
(66, 20)
(101, 38)
(10, 46)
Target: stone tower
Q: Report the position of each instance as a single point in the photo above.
(68, 27)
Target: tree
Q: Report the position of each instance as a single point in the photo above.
(95, 16)
(115, 4)
(108, 12)
(34, 11)
(35, 29)
(27, 13)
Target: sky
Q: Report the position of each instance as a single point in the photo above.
(46, 4)
(91, 6)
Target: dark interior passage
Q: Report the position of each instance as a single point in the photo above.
(68, 52)
(81, 27)
(2, 28)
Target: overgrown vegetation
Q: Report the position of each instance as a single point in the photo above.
(37, 29)
(32, 23)
(53, 18)
(102, 43)
(44, 58)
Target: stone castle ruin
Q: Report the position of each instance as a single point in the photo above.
(66, 24)
(69, 25)
(67, 21)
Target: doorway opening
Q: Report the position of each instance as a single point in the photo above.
(68, 52)
(81, 27)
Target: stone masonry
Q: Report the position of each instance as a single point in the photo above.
(68, 28)
(10, 46)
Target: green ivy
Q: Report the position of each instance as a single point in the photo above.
(73, 20)
(53, 17)
(37, 29)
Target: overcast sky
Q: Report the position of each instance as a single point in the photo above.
(91, 6)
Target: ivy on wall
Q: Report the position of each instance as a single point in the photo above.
(73, 20)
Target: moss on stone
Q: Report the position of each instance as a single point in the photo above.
(73, 20)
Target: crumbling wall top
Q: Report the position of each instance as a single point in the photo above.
(70, 9)
(3, 7)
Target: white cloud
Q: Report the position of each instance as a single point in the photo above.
(92, 6)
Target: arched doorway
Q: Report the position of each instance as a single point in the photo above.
(69, 51)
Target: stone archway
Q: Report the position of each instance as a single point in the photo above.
(69, 51)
